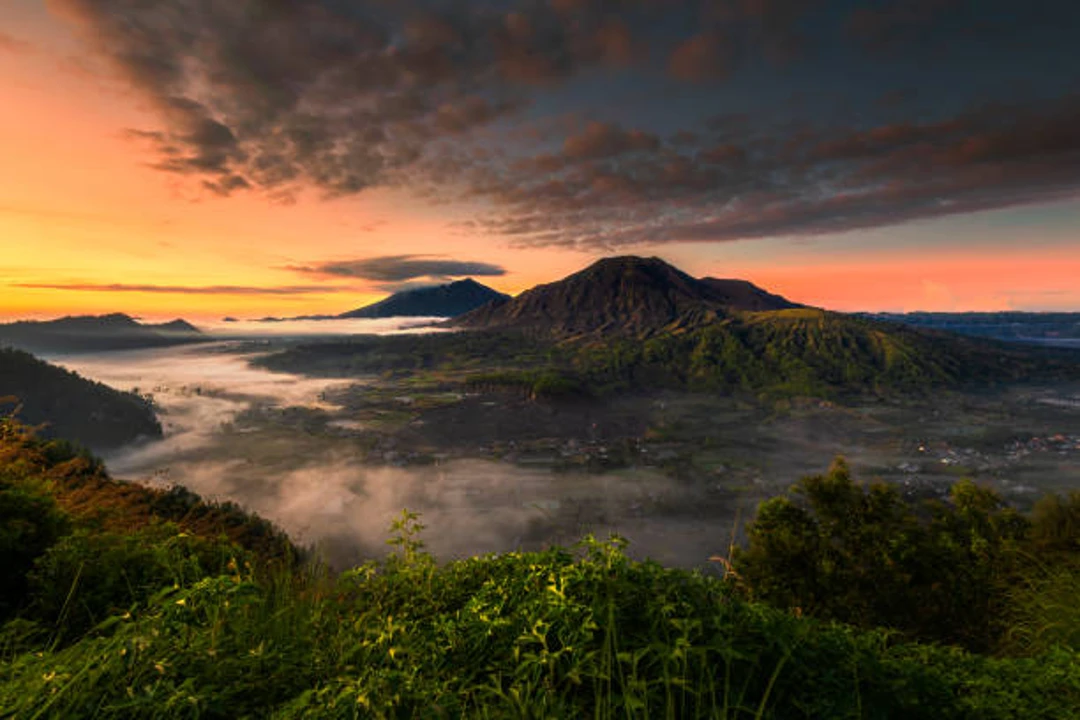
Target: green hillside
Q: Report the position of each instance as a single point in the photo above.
(810, 352)
(176, 617)
(784, 353)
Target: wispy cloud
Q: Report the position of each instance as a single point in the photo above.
(10, 43)
(183, 289)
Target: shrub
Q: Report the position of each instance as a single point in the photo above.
(30, 523)
(89, 575)
(836, 550)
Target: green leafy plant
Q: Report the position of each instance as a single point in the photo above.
(861, 554)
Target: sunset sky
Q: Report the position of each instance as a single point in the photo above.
(202, 158)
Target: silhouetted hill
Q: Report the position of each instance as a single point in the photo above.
(448, 300)
(94, 333)
(622, 295)
(744, 295)
(71, 406)
(174, 327)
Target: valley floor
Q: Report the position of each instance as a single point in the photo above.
(332, 459)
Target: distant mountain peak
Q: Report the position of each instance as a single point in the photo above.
(85, 333)
(623, 295)
(446, 300)
(109, 320)
(176, 326)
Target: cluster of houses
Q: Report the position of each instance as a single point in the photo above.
(1061, 444)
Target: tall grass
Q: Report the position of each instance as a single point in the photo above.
(583, 633)
(1045, 608)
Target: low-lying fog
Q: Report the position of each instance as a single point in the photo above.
(309, 328)
(320, 491)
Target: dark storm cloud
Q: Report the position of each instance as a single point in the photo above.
(894, 24)
(300, 92)
(527, 108)
(602, 140)
(758, 183)
(182, 289)
(707, 56)
(401, 268)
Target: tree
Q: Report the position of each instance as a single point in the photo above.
(30, 523)
(863, 555)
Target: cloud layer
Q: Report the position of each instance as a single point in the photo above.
(10, 43)
(401, 268)
(887, 111)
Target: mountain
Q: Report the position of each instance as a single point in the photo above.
(94, 333)
(744, 295)
(72, 407)
(623, 295)
(637, 322)
(448, 300)
(630, 323)
(175, 327)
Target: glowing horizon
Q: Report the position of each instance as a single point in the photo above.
(91, 224)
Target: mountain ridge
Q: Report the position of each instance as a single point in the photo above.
(633, 322)
(95, 333)
(625, 295)
(446, 300)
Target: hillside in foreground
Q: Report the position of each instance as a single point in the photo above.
(179, 615)
(70, 406)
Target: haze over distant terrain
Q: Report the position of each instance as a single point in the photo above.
(87, 333)
(1062, 329)
(628, 396)
(321, 491)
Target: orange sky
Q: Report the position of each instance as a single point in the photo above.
(1008, 280)
(79, 206)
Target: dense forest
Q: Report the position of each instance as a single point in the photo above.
(70, 406)
(846, 601)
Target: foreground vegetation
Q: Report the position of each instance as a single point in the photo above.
(196, 610)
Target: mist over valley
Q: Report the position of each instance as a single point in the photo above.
(505, 441)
